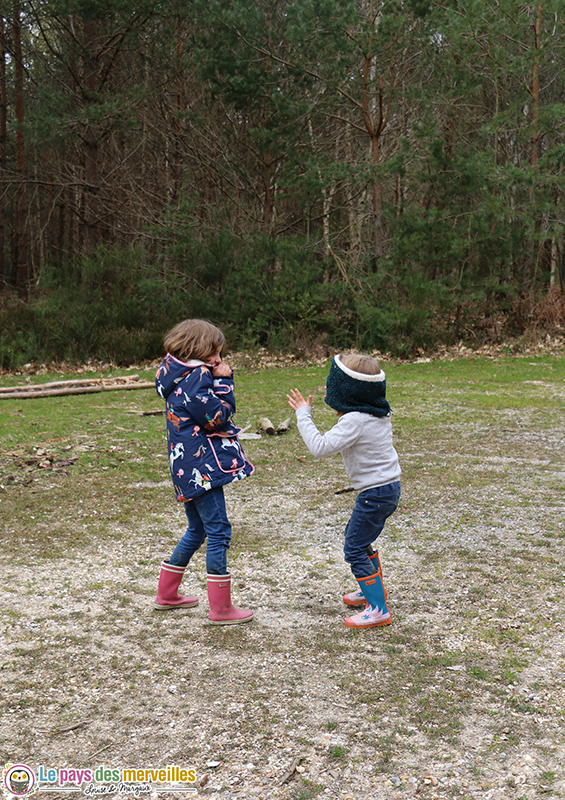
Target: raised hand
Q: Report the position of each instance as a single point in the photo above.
(296, 401)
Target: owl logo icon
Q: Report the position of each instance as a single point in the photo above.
(19, 780)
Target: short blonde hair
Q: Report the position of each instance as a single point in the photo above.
(366, 365)
(194, 338)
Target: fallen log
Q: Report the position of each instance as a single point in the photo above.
(284, 427)
(82, 386)
(33, 387)
(266, 426)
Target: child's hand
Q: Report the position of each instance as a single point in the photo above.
(222, 370)
(296, 401)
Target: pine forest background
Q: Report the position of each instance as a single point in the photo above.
(301, 172)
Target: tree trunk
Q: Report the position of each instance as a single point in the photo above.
(22, 270)
(91, 232)
(375, 124)
(3, 125)
(377, 201)
(268, 193)
(553, 269)
(530, 262)
(177, 118)
(535, 88)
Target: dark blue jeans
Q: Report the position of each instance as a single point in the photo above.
(207, 518)
(372, 508)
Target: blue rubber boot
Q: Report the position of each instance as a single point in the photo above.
(376, 614)
(358, 598)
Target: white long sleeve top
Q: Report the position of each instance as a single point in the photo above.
(365, 444)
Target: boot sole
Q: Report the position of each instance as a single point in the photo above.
(370, 625)
(230, 621)
(157, 607)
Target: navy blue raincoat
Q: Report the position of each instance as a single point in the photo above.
(203, 445)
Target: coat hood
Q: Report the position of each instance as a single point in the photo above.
(172, 372)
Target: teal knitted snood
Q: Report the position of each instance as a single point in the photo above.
(347, 390)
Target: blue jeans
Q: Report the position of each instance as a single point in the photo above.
(372, 508)
(207, 518)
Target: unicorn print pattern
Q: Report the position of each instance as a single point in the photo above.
(203, 447)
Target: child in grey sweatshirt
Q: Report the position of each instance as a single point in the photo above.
(356, 389)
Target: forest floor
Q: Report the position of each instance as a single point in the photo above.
(463, 696)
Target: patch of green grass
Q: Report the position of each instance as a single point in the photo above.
(547, 776)
(385, 748)
(308, 790)
(338, 752)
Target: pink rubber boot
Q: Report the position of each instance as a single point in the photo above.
(355, 598)
(358, 598)
(222, 612)
(167, 591)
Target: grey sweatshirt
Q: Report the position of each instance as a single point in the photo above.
(364, 441)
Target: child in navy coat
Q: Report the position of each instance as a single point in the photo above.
(204, 455)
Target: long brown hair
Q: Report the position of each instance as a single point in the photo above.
(194, 338)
